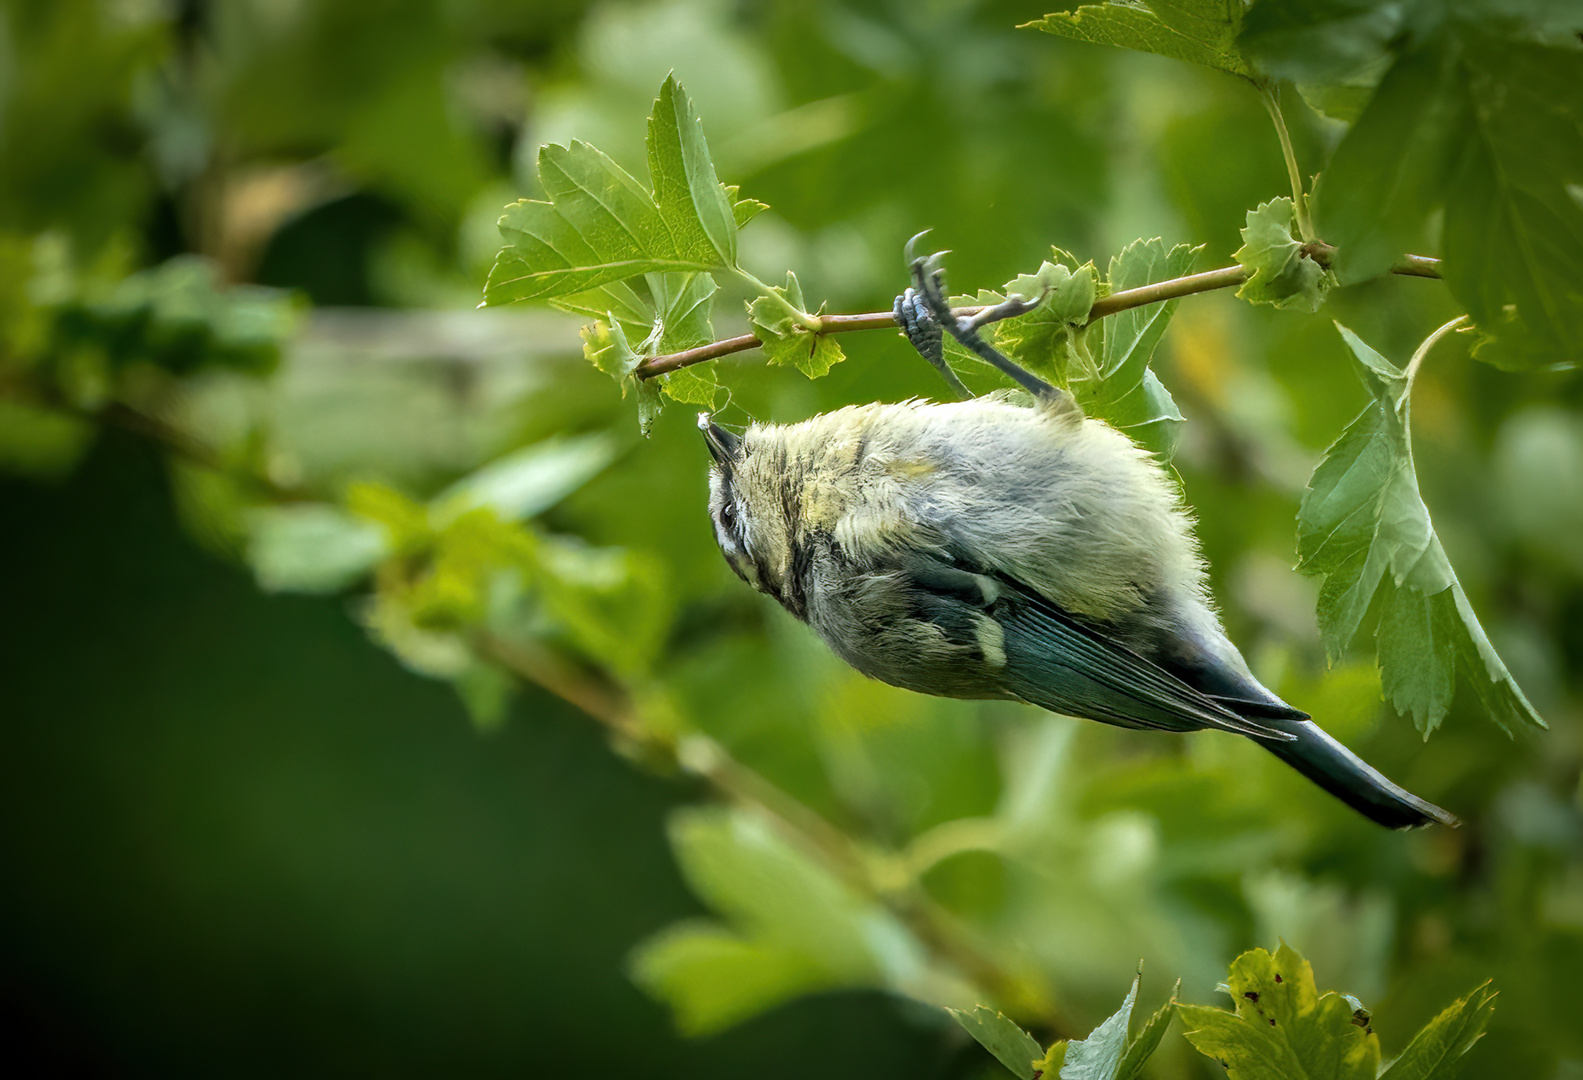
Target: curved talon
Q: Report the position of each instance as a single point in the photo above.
(928, 296)
(907, 252)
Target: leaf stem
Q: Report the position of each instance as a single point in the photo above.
(1422, 351)
(1305, 224)
(776, 296)
(1223, 278)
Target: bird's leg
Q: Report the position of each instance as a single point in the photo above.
(923, 330)
(923, 311)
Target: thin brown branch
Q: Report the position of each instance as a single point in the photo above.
(1208, 281)
(1127, 299)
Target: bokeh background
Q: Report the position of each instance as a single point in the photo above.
(242, 837)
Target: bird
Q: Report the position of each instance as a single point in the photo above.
(989, 549)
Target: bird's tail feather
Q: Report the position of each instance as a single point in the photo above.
(1346, 776)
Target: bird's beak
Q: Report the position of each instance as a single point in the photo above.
(724, 447)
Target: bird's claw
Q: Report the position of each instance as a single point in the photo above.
(923, 312)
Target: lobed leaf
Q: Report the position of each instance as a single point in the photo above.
(1045, 340)
(1393, 165)
(1364, 528)
(1279, 272)
(694, 205)
(1197, 31)
(1513, 240)
(1283, 1028)
(1480, 116)
(1128, 394)
(600, 227)
(784, 340)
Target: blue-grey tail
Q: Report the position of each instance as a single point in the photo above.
(1346, 776)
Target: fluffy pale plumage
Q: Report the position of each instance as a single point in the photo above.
(981, 549)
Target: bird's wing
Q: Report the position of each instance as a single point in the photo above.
(1054, 661)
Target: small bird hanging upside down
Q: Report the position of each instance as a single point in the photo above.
(981, 549)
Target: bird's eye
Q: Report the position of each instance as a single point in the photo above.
(728, 516)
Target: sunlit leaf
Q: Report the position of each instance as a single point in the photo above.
(691, 199)
(1197, 31)
(1283, 1028)
(601, 226)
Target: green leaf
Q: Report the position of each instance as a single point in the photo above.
(605, 346)
(784, 339)
(180, 316)
(1054, 1058)
(1273, 256)
(601, 226)
(1142, 1048)
(1012, 1046)
(1197, 31)
(311, 548)
(1044, 340)
(1128, 395)
(1364, 527)
(1098, 1057)
(613, 604)
(793, 927)
(485, 691)
(743, 210)
(695, 206)
(713, 979)
(1513, 239)
(1282, 1029)
(1325, 42)
(1483, 117)
(527, 482)
(1393, 167)
(685, 324)
(1435, 1051)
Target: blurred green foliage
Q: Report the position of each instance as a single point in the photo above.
(250, 236)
